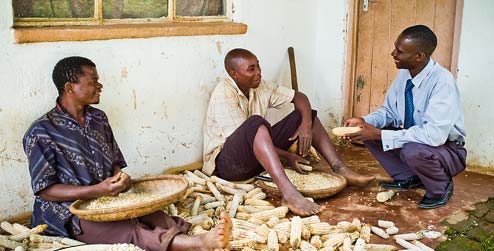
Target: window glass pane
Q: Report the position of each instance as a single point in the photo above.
(200, 7)
(118, 9)
(53, 8)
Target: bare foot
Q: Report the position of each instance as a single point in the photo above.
(353, 178)
(300, 205)
(218, 238)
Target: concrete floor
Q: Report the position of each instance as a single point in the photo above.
(402, 209)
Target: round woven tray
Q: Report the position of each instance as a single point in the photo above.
(316, 193)
(88, 247)
(171, 187)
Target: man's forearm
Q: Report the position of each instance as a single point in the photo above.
(63, 192)
(302, 105)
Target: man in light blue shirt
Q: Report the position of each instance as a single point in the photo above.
(418, 134)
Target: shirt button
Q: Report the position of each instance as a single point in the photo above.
(92, 151)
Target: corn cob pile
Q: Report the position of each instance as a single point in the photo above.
(22, 238)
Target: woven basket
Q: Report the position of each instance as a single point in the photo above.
(172, 187)
(316, 193)
(87, 247)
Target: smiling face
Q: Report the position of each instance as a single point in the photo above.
(87, 90)
(406, 54)
(246, 72)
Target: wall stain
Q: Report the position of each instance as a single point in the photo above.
(173, 139)
(134, 99)
(218, 46)
(124, 73)
(360, 82)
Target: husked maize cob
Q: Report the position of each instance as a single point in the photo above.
(202, 175)
(239, 244)
(356, 224)
(407, 244)
(365, 233)
(359, 245)
(215, 191)
(252, 193)
(245, 187)
(303, 167)
(347, 244)
(219, 210)
(5, 242)
(259, 196)
(243, 216)
(379, 247)
(295, 231)
(320, 228)
(243, 224)
(239, 234)
(195, 208)
(263, 230)
(311, 220)
(221, 181)
(316, 241)
(237, 199)
(254, 202)
(305, 232)
(342, 131)
(392, 230)
(385, 196)
(422, 246)
(247, 249)
(309, 199)
(282, 237)
(197, 230)
(279, 212)
(335, 240)
(20, 228)
(254, 209)
(409, 236)
(273, 241)
(306, 246)
(273, 221)
(36, 230)
(8, 228)
(208, 212)
(195, 178)
(379, 232)
(230, 190)
(385, 224)
(214, 204)
(255, 221)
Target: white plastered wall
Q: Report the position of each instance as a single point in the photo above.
(156, 90)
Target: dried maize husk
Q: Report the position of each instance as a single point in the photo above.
(295, 231)
(273, 241)
(385, 224)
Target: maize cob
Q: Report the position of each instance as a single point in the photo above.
(305, 232)
(252, 192)
(253, 209)
(255, 221)
(409, 236)
(254, 202)
(316, 241)
(8, 228)
(219, 210)
(202, 175)
(347, 244)
(365, 233)
(320, 228)
(342, 131)
(243, 224)
(407, 244)
(359, 245)
(195, 208)
(237, 199)
(311, 220)
(346, 226)
(283, 227)
(230, 190)
(244, 216)
(282, 237)
(247, 249)
(259, 196)
(197, 230)
(392, 230)
(335, 240)
(215, 191)
(5, 242)
(20, 228)
(239, 234)
(357, 225)
(239, 244)
(36, 230)
(379, 247)
(273, 241)
(422, 246)
(273, 221)
(295, 231)
(379, 232)
(303, 167)
(214, 204)
(279, 212)
(19, 248)
(245, 187)
(385, 224)
(262, 230)
(223, 182)
(196, 220)
(385, 196)
(306, 246)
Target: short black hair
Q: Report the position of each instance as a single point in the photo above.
(69, 70)
(234, 54)
(427, 40)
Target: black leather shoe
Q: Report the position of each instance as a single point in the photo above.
(410, 183)
(435, 203)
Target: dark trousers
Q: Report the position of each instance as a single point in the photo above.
(435, 166)
(152, 232)
(237, 161)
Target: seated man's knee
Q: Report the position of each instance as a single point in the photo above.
(256, 121)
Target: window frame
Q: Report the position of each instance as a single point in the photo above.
(98, 19)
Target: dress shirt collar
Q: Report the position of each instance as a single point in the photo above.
(417, 80)
(229, 80)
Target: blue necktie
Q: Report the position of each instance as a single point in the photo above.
(409, 105)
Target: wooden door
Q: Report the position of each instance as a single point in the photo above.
(376, 32)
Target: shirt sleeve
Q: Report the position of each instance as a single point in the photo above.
(444, 108)
(280, 95)
(41, 160)
(387, 114)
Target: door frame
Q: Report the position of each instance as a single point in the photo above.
(351, 58)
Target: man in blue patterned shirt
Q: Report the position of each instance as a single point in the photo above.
(72, 155)
(418, 134)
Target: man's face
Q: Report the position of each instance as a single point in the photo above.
(406, 54)
(87, 91)
(247, 72)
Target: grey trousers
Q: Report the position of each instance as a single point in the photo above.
(435, 166)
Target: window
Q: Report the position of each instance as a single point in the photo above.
(96, 12)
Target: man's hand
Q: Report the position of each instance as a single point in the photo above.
(293, 159)
(304, 135)
(367, 132)
(114, 185)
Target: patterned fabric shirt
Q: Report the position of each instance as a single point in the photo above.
(60, 151)
(438, 113)
(229, 108)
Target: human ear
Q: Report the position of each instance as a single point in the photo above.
(68, 87)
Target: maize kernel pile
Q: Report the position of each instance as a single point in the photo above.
(314, 181)
(122, 200)
(123, 247)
